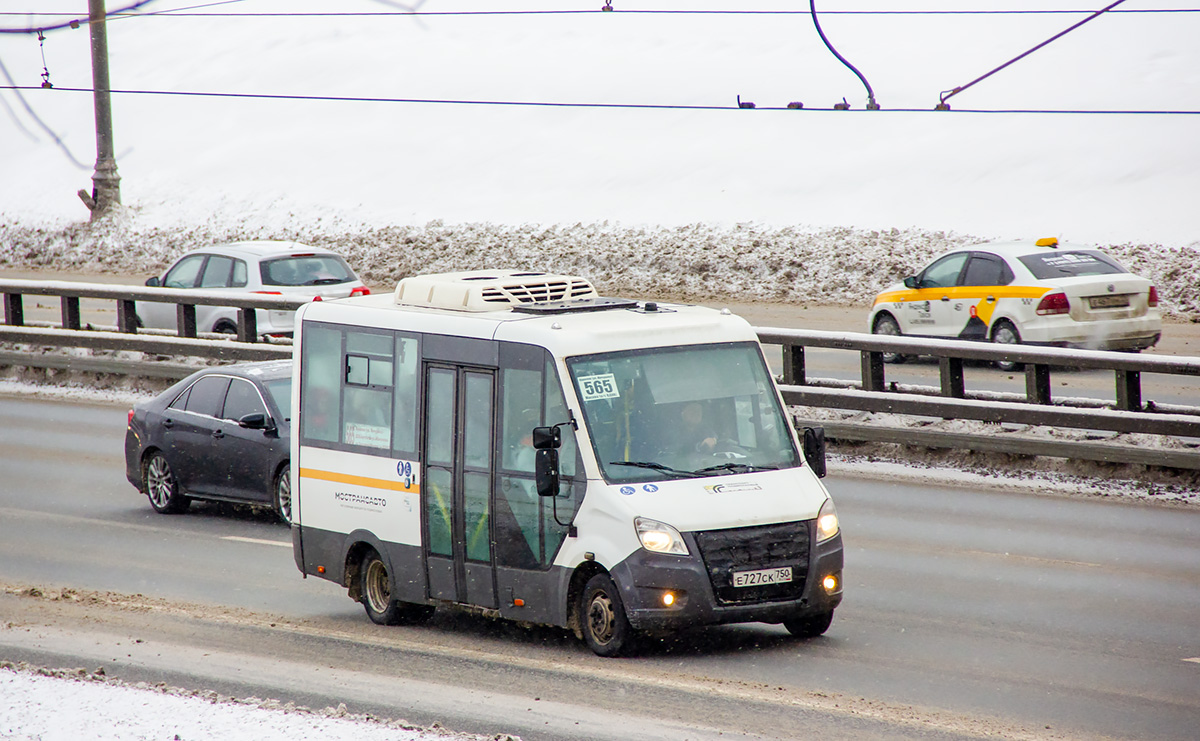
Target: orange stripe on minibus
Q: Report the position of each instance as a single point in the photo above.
(345, 478)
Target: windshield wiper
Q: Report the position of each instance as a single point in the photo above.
(654, 467)
(737, 468)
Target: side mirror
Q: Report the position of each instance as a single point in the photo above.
(153, 282)
(910, 281)
(256, 421)
(545, 471)
(814, 450)
(547, 437)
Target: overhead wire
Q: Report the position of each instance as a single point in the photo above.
(75, 22)
(565, 104)
(947, 94)
(185, 12)
(125, 13)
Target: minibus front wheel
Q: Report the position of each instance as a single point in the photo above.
(606, 628)
(809, 627)
(376, 591)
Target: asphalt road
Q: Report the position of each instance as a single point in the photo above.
(967, 614)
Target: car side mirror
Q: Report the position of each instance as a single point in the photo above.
(545, 472)
(256, 421)
(153, 282)
(546, 442)
(910, 281)
(547, 437)
(814, 450)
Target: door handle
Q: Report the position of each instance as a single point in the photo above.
(168, 423)
(218, 434)
(991, 299)
(945, 298)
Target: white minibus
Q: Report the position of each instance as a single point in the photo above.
(514, 444)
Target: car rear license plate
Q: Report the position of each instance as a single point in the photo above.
(780, 575)
(1108, 302)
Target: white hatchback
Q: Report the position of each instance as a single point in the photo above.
(275, 268)
(1033, 292)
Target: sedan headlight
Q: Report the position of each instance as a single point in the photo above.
(827, 521)
(659, 537)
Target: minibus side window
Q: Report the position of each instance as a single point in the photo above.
(556, 412)
(368, 392)
(321, 382)
(518, 522)
(527, 535)
(439, 457)
(407, 364)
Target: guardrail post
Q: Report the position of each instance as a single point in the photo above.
(951, 370)
(14, 310)
(1037, 383)
(793, 365)
(247, 325)
(70, 312)
(872, 371)
(127, 316)
(1129, 390)
(185, 319)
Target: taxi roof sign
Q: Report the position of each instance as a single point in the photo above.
(1047, 242)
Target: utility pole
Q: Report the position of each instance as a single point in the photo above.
(106, 190)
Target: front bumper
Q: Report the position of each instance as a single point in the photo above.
(645, 577)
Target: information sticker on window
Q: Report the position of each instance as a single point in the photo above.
(603, 386)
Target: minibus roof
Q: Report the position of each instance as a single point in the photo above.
(609, 325)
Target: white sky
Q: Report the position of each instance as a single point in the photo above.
(1085, 178)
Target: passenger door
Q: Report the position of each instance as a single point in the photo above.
(979, 295)
(930, 311)
(183, 274)
(457, 484)
(242, 458)
(193, 431)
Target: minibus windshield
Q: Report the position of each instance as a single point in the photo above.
(682, 412)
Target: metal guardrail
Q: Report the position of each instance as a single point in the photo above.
(952, 400)
(126, 297)
(1126, 414)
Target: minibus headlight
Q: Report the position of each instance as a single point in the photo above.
(659, 537)
(827, 521)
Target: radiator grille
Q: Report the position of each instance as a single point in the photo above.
(535, 291)
(752, 548)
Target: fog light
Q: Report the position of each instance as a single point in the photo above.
(830, 583)
(668, 599)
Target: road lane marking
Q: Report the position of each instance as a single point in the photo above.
(259, 541)
(1034, 559)
(1195, 660)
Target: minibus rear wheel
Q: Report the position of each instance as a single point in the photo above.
(606, 629)
(376, 590)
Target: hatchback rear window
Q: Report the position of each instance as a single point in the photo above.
(1051, 265)
(309, 270)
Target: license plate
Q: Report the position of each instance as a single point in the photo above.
(781, 575)
(1108, 302)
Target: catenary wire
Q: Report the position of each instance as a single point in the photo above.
(185, 12)
(625, 106)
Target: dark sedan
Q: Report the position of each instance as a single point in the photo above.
(220, 434)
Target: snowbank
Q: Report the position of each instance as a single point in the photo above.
(39, 704)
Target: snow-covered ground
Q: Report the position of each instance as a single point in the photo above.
(691, 196)
(67, 705)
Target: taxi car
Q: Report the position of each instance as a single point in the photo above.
(1040, 293)
(221, 434)
(269, 267)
